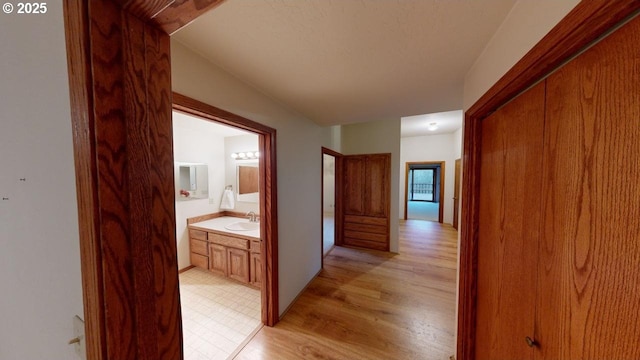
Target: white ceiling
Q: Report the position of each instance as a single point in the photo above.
(346, 61)
(417, 125)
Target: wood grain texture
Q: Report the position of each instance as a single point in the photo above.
(113, 191)
(354, 183)
(160, 132)
(140, 307)
(509, 218)
(378, 185)
(588, 293)
(373, 305)
(268, 194)
(367, 194)
(138, 160)
(469, 240)
(144, 9)
(83, 126)
(583, 25)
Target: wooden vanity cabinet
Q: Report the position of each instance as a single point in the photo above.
(199, 253)
(237, 258)
(218, 259)
(238, 264)
(255, 265)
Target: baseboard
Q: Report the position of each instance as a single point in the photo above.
(185, 269)
(299, 294)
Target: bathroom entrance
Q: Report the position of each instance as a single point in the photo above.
(225, 216)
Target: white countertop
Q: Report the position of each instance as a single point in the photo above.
(218, 225)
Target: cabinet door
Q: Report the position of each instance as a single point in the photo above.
(238, 264)
(589, 272)
(377, 186)
(218, 259)
(509, 208)
(255, 270)
(354, 184)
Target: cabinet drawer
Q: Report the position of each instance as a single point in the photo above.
(200, 261)
(255, 247)
(197, 234)
(198, 247)
(229, 241)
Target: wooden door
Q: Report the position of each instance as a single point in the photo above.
(218, 259)
(456, 194)
(377, 180)
(255, 270)
(512, 140)
(367, 199)
(589, 270)
(354, 183)
(238, 264)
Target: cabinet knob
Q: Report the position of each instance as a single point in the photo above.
(531, 342)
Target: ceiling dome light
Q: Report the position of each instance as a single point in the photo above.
(432, 126)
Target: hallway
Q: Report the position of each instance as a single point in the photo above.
(373, 305)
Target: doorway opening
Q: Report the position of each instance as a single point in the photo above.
(212, 190)
(424, 191)
(331, 200)
(261, 257)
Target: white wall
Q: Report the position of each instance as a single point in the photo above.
(239, 144)
(527, 23)
(378, 137)
(39, 256)
(197, 145)
(457, 144)
(431, 148)
(299, 143)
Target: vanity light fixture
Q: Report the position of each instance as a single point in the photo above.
(247, 155)
(432, 126)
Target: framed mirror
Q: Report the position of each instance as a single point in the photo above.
(193, 181)
(247, 181)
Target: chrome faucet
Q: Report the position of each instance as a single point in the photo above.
(252, 216)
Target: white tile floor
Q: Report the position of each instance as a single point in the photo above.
(218, 315)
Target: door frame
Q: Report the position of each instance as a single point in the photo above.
(580, 28)
(457, 176)
(408, 165)
(337, 201)
(268, 196)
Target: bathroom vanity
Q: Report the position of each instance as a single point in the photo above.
(231, 253)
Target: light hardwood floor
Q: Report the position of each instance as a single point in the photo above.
(373, 305)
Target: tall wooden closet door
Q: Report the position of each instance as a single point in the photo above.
(367, 200)
(589, 270)
(510, 200)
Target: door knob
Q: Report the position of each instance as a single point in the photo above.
(531, 342)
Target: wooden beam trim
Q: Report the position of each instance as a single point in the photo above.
(82, 119)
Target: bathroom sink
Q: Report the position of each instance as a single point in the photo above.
(243, 226)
